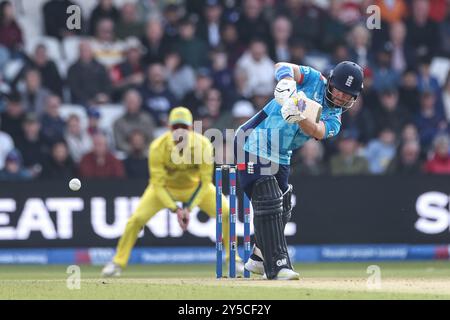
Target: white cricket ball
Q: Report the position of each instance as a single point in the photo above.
(75, 184)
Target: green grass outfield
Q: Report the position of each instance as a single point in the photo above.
(405, 280)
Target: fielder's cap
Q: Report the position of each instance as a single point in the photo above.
(180, 115)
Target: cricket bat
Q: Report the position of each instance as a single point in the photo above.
(311, 109)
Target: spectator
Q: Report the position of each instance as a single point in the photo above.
(281, 34)
(222, 74)
(384, 76)
(35, 95)
(100, 162)
(440, 160)
(309, 161)
(148, 9)
(409, 94)
(359, 118)
(359, 43)
(192, 49)
(380, 151)
(105, 9)
(347, 161)
(55, 19)
(156, 96)
(182, 76)
(392, 12)
(446, 98)
(32, 146)
(209, 28)
(252, 23)
(232, 44)
(95, 126)
(12, 118)
(409, 133)
(133, 119)
(10, 32)
(78, 140)
(48, 71)
(107, 50)
(260, 97)
(59, 165)
(429, 121)
(88, 80)
(402, 54)
(390, 113)
(129, 73)
(129, 24)
(308, 19)
(298, 51)
(136, 164)
(93, 121)
(13, 170)
(194, 99)
(212, 114)
(369, 94)
(173, 14)
(423, 33)
(242, 111)
(53, 126)
(445, 36)
(255, 70)
(156, 46)
(6, 145)
(407, 162)
(333, 29)
(425, 80)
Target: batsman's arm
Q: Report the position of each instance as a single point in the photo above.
(328, 127)
(312, 129)
(205, 170)
(158, 176)
(289, 71)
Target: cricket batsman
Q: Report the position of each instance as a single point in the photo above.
(181, 166)
(299, 89)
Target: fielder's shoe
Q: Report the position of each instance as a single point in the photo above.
(285, 274)
(111, 269)
(255, 266)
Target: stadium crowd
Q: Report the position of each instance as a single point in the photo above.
(144, 57)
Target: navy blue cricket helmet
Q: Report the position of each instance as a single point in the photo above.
(346, 77)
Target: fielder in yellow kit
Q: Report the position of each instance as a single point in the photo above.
(181, 164)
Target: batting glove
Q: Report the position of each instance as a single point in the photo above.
(284, 90)
(292, 110)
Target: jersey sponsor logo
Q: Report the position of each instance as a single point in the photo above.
(349, 81)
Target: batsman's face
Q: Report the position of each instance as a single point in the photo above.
(341, 98)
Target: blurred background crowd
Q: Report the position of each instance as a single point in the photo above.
(88, 102)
